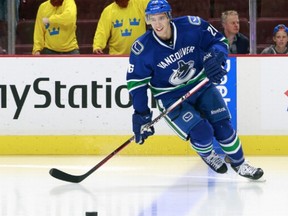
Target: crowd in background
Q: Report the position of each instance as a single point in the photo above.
(112, 31)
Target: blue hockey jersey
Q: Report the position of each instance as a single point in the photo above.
(171, 70)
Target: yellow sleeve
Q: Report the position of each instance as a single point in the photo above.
(69, 15)
(103, 30)
(39, 32)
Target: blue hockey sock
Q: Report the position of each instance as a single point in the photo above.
(229, 141)
(201, 137)
(233, 149)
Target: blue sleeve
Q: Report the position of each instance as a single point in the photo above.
(138, 79)
(213, 39)
(140, 100)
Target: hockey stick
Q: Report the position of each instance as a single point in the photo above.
(56, 173)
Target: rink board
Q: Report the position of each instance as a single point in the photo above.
(104, 145)
(81, 106)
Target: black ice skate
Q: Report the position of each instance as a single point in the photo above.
(215, 163)
(249, 171)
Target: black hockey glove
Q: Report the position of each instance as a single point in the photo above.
(140, 131)
(213, 65)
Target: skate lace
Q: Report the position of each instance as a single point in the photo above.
(245, 169)
(214, 161)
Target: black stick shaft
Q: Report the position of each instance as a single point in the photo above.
(56, 173)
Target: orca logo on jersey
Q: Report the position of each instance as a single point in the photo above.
(183, 73)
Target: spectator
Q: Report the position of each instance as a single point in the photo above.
(170, 60)
(238, 43)
(120, 24)
(280, 37)
(55, 28)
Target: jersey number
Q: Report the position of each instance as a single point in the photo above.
(212, 30)
(130, 68)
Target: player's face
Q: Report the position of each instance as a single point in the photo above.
(281, 39)
(232, 25)
(161, 25)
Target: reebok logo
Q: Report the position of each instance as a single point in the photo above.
(207, 56)
(213, 112)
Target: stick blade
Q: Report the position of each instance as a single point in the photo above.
(56, 173)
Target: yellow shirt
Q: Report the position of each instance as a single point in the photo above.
(120, 27)
(60, 34)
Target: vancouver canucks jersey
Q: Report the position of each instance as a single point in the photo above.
(170, 70)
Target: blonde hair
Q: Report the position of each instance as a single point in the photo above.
(227, 13)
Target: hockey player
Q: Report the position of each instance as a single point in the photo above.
(172, 58)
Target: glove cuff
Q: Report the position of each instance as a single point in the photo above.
(142, 113)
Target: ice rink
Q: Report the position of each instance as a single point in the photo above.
(139, 186)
